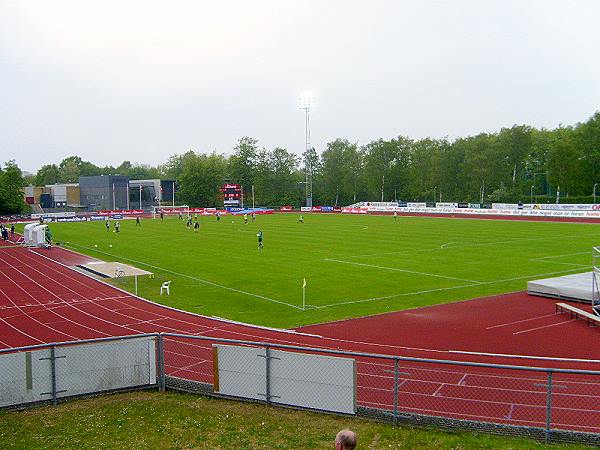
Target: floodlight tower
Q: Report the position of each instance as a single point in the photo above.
(307, 101)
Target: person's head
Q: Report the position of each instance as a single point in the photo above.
(345, 440)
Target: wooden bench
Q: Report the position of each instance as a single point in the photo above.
(576, 312)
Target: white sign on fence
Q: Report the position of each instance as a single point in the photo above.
(26, 377)
(298, 379)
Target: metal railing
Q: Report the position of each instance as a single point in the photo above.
(546, 403)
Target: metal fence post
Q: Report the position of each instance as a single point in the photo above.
(161, 362)
(549, 407)
(53, 373)
(268, 373)
(396, 388)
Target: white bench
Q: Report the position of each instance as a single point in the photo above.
(576, 312)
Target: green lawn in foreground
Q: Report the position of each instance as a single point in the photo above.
(354, 265)
(142, 420)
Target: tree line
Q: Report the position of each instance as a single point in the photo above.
(511, 165)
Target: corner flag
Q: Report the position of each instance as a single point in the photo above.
(304, 294)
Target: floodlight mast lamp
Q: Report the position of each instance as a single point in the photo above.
(307, 101)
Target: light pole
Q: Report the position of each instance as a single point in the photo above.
(595, 184)
(307, 101)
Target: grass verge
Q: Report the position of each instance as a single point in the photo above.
(175, 420)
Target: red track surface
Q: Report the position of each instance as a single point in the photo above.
(44, 301)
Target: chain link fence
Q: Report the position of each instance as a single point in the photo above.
(50, 372)
(543, 403)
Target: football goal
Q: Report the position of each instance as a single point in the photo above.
(170, 210)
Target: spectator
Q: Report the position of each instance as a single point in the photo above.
(345, 440)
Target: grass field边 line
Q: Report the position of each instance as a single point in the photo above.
(354, 265)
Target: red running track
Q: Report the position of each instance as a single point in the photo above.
(42, 300)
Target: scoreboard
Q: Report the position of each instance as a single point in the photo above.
(232, 194)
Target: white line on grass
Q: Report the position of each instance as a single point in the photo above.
(562, 256)
(210, 283)
(481, 283)
(448, 246)
(400, 270)
(557, 262)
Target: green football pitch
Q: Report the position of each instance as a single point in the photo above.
(353, 265)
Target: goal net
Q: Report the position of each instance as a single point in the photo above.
(170, 210)
(596, 280)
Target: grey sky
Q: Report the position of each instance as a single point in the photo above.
(141, 80)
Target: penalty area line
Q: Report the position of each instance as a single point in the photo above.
(401, 270)
(191, 277)
(461, 286)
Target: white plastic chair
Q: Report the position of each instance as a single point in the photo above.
(165, 287)
(119, 272)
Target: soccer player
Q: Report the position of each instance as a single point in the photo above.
(301, 219)
(137, 222)
(253, 217)
(188, 225)
(196, 226)
(12, 230)
(180, 216)
(395, 216)
(162, 215)
(218, 216)
(245, 219)
(259, 235)
(117, 226)
(107, 224)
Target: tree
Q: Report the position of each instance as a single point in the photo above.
(48, 174)
(242, 164)
(379, 156)
(11, 184)
(201, 180)
(334, 170)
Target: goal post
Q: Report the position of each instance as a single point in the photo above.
(170, 210)
(596, 280)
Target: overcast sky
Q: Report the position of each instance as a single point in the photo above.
(141, 80)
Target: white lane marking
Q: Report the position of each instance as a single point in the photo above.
(400, 270)
(520, 321)
(508, 355)
(541, 328)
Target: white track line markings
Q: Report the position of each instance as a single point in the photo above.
(191, 277)
(54, 304)
(181, 369)
(541, 328)
(54, 295)
(32, 318)
(506, 355)
(68, 270)
(520, 321)
(400, 270)
(65, 275)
